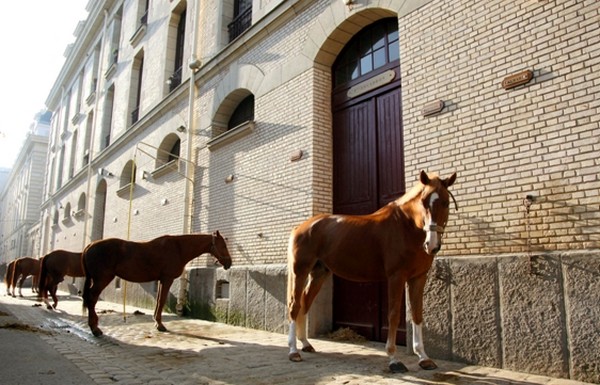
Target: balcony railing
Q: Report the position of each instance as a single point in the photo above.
(175, 79)
(242, 22)
(135, 114)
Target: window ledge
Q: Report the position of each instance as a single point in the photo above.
(79, 214)
(231, 135)
(137, 36)
(124, 191)
(91, 97)
(171, 166)
(111, 70)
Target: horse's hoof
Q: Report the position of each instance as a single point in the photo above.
(97, 332)
(161, 328)
(427, 364)
(398, 367)
(308, 349)
(295, 357)
(49, 307)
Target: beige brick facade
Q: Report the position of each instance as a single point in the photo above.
(538, 139)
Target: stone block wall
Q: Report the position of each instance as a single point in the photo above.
(536, 314)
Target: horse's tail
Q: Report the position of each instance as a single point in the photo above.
(291, 275)
(42, 278)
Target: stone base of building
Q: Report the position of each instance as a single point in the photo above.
(537, 314)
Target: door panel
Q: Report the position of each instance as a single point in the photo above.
(368, 172)
(354, 159)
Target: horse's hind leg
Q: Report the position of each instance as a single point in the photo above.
(300, 302)
(416, 287)
(92, 299)
(53, 290)
(318, 275)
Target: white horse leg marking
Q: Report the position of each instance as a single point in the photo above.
(292, 338)
(418, 346)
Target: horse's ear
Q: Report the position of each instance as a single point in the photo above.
(424, 178)
(449, 181)
(217, 234)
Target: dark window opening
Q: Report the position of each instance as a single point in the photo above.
(242, 18)
(243, 113)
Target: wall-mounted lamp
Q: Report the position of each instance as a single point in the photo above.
(60, 206)
(229, 178)
(164, 201)
(146, 175)
(104, 172)
(349, 3)
(136, 212)
(180, 129)
(195, 64)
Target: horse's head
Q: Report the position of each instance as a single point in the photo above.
(220, 251)
(436, 201)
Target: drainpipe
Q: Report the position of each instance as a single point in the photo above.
(87, 209)
(189, 167)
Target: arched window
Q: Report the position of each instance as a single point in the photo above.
(169, 150)
(372, 48)
(128, 174)
(243, 113)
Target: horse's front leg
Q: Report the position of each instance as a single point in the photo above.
(416, 288)
(20, 283)
(161, 299)
(395, 303)
(53, 290)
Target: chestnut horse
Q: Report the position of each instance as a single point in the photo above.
(9, 276)
(23, 268)
(396, 244)
(162, 259)
(53, 268)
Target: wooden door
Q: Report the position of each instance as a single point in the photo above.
(368, 173)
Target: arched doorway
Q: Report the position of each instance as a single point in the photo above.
(368, 161)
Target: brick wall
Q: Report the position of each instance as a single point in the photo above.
(539, 139)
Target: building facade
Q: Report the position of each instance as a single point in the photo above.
(22, 194)
(251, 116)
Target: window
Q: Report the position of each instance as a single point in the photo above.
(127, 179)
(175, 78)
(239, 108)
(243, 113)
(242, 18)
(167, 155)
(136, 85)
(107, 117)
(128, 174)
(372, 48)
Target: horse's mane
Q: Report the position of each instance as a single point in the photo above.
(411, 194)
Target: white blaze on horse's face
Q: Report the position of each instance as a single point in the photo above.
(433, 240)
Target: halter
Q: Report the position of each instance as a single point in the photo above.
(436, 228)
(213, 247)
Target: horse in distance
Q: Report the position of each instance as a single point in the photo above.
(23, 268)
(162, 259)
(395, 244)
(54, 266)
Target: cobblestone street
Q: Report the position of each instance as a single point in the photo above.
(200, 352)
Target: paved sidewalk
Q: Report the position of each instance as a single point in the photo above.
(200, 352)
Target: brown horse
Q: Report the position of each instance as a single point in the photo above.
(53, 268)
(162, 259)
(23, 268)
(396, 244)
(9, 276)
